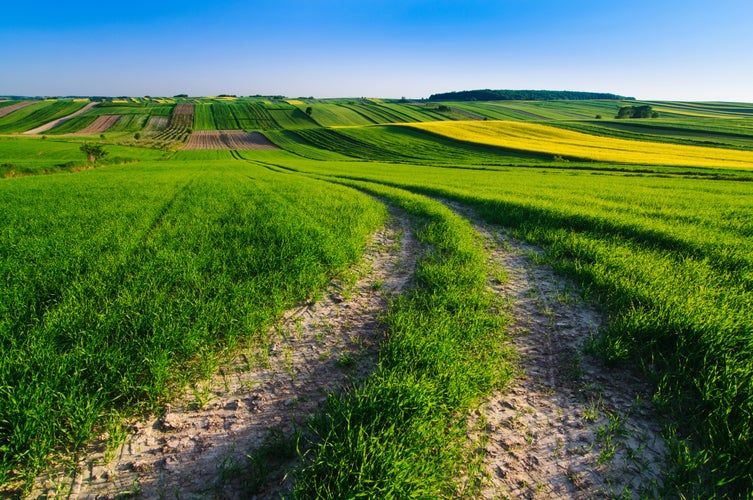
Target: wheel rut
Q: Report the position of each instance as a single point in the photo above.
(568, 426)
(204, 444)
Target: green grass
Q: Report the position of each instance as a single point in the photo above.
(129, 123)
(395, 144)
(671, 261)
(38, 114)
(203, 117)
(37, 155)
(330, 114)
(715, 132)
(120, 288)
(402, 433)
(147, 262)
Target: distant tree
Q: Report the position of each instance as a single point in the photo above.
(309, 110)
(598, 117)
(137, 135)
(93, 152)
(181, 95)
(644, 111)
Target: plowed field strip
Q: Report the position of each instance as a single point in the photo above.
(183, 109)
(101, 124)
(228, 140)
(6, 110)
(55, 123)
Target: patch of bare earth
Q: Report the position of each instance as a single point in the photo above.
(568, 426)
(6, 110)
(228, 140)
(200, 446)
(99, 125)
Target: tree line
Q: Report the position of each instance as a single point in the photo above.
(522, 95)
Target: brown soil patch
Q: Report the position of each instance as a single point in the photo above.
(183, 109)
(101, 124)
(568, 427)
(54, 123)
(6, 110)
(228, 140)
(199, 447)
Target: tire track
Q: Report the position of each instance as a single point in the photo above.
(202, 444)
(568, 426)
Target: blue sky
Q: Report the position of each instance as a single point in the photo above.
(659, 49)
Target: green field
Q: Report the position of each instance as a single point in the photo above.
(123, 284)
(38, 114)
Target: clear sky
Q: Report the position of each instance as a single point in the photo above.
(657, 49)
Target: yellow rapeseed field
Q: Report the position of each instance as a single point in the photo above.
(559, 142)
(295, 102)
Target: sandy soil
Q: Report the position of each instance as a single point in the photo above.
(568, 427)
(54, 123)
(228, 140)
(199, 447)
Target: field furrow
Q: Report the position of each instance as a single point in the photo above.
(228, 140)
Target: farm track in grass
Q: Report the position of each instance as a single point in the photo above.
(234, 435)
(567, 427)
(59, 121)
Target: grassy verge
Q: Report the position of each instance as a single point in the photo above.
(402, 433)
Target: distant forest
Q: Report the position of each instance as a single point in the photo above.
(522, 95)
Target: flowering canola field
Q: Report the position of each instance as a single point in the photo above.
(566, 143)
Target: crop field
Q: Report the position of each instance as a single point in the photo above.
(129, 288)
(178, 130)
(38, 114)
(539, 138)
(101, 124)
(157, 123)
(228, 139)
(9, 107)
